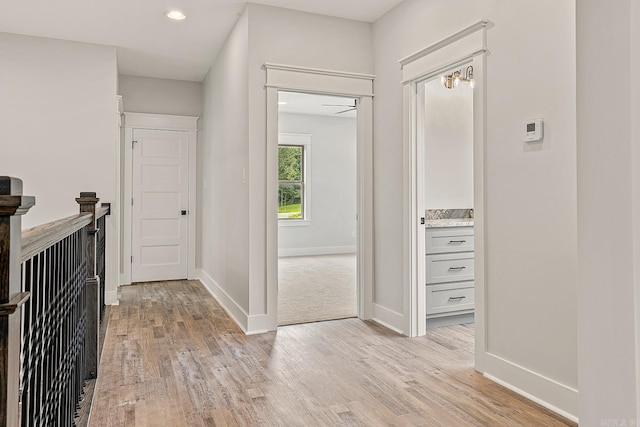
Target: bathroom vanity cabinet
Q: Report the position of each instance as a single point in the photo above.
(449, 273)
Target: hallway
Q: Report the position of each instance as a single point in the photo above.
(172, 357)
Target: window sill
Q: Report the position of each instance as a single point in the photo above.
(294, 223)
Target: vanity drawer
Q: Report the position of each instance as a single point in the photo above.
(445, 240)
(450, 297)
(454, 267)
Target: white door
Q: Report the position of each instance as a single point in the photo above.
(160, 205)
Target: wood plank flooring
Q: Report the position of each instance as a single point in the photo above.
(172, 357)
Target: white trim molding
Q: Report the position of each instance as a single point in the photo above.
(114, 221)
(318, 71)
(467, 46)
(134, 121)
(160, 121)
(321, 250)
(328, 82)
(312, 80)
(471, 29)
(557, 397)
(250, 325)
(389, 318)
(467, 43)
(232, 308)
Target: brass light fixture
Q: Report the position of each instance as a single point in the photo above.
(452, 80)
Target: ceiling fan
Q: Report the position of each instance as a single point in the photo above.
(350, 107)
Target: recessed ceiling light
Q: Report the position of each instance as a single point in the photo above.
(282, 103)
(176, 15)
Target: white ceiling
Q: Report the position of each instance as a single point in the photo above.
(322, 105)
(149, 44)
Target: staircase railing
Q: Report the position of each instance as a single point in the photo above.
(51, 302)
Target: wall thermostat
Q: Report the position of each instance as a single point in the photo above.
(533, 130)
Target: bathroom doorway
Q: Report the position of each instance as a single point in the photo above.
(445, 131)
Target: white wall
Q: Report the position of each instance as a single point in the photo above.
(608, 206)
(161, 96)
(57, 122)
(530, 188)
(448, 127)
(332, 186)
(58, 128)
(223, 154)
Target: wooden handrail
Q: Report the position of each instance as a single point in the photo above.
(103, 210)
(39, 238)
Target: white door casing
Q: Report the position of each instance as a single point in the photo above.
(465, 46)
(135, 122)
(160, 205)
(327, 82)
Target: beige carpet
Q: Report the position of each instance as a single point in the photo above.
(316, 288)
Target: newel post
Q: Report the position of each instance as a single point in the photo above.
(12, 205)
(87, 202)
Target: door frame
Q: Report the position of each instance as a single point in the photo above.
(325, 82)
(147, 121)
(467, 45)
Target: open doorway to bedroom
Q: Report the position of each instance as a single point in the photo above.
(317, 208)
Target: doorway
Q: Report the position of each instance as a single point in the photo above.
(358, 86)
(317, 207)
(445, 132)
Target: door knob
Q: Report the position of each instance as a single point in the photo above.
(183, 213)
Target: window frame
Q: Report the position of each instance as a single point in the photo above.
(303, 141)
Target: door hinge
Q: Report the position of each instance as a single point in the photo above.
(132, 201)
(131, 259)
(422, 221)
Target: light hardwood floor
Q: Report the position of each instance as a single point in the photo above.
(172, 357)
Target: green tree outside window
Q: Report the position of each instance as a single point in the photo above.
(290, 182)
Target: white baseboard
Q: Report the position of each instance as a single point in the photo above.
(389, 318)
(228, 304)
(111, 298)
(326, 250)
(556, 397)
(257, 324)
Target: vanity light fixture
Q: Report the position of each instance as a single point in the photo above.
(176, 15)
(452, 80)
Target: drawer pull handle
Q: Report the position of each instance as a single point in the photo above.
(456, 268)
(457, 241)
(456, 298)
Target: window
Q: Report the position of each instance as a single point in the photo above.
(291, 182)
